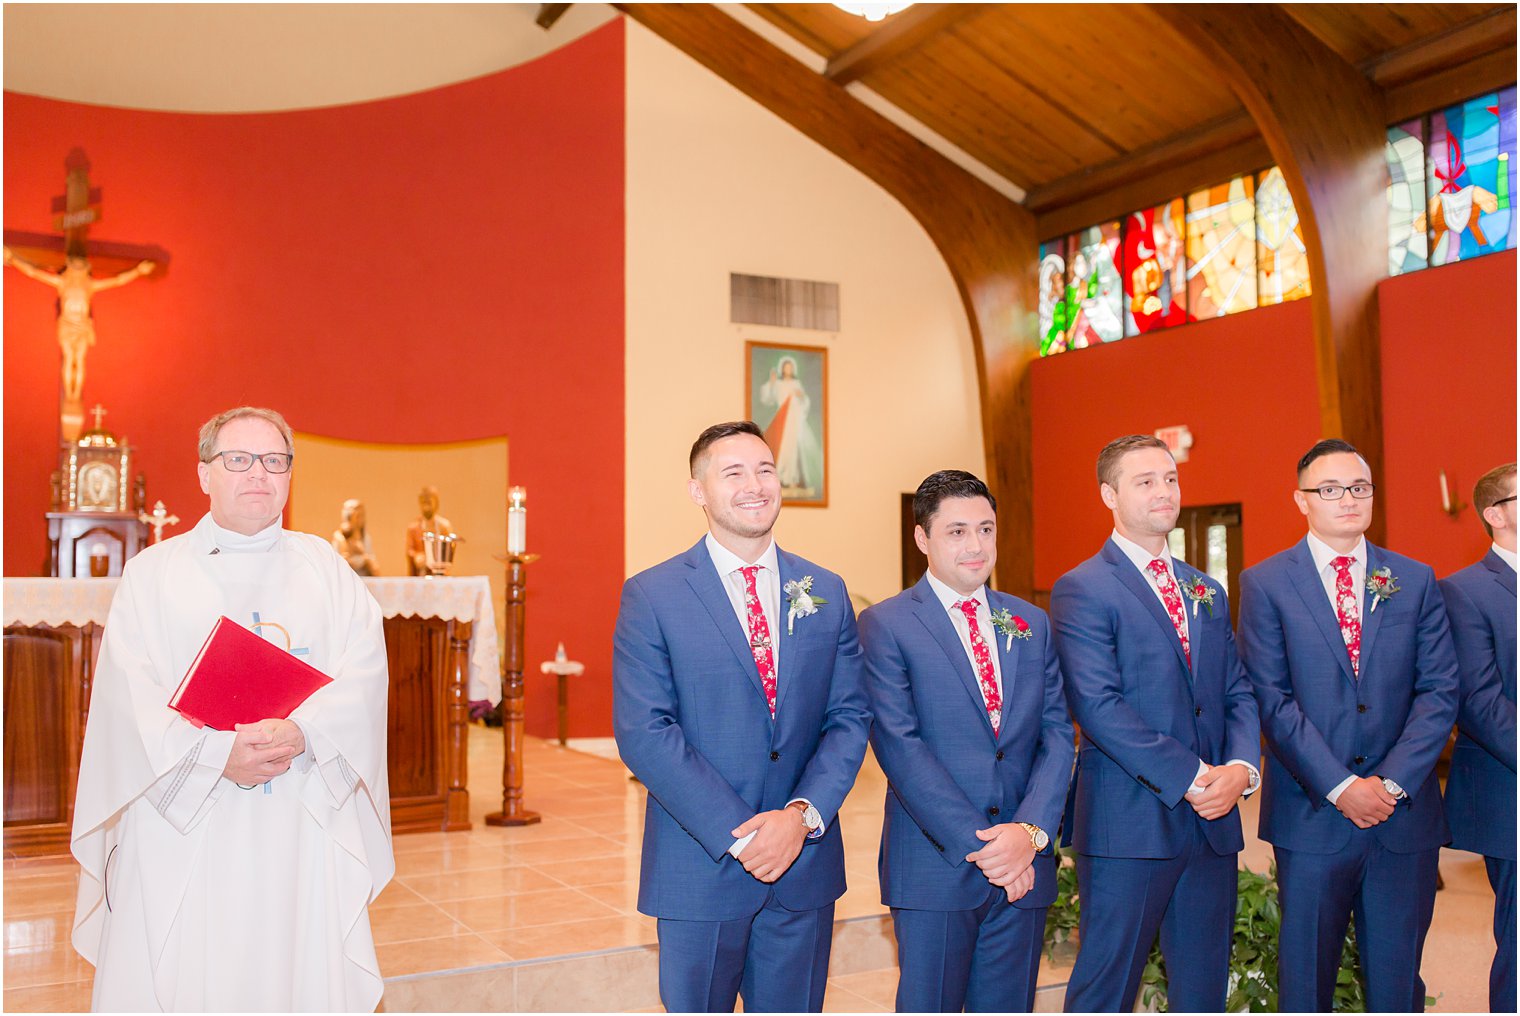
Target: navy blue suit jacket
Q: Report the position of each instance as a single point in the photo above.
(692, 723)
(949, 774)
(1480, 790)
(1147, 718)
(1323, 724)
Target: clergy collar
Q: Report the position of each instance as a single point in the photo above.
(225, 541)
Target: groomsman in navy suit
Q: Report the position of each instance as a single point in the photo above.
(1480, 791)
(972, 731)
(738, 702)
(1170, 744)
(1349, 651)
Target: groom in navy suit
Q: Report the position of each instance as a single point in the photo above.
(972, 731)
(738, 703)
(1349, 651)
(1480, 791)
(1170, 743)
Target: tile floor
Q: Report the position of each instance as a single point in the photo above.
(567, 887)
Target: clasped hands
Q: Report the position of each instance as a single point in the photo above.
(1221, 788)
(1366, 802)
(778, 840)
(1008, 858)
(262, 751)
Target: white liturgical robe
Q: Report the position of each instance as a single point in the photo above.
(196, 894)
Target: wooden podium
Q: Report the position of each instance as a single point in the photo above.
(50, 669)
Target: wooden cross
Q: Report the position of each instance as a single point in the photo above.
(98, 412)
(78, 206)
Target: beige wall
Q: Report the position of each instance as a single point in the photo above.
(717, 184)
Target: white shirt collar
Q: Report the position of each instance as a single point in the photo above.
(948, 597)
(1323, 554)
(1138, 555)
(229, 542)
(726, 561)
(1507, 556)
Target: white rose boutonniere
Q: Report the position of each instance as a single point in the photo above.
(800, 601)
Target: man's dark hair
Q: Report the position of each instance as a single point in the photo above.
(946, 483)
(1491, 486)
(1329, 446)
(1108, 458)
(717, 432)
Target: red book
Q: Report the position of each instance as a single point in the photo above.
(238, 677)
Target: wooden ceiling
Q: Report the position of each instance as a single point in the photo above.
(1062, 99)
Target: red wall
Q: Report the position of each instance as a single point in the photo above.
(1245, 386)
(339, 263)
(1448, 400)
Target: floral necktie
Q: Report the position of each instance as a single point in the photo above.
(759, 636)
(991, 697)
(1172, 597)
(1346, 611)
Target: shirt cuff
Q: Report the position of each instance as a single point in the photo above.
(813, 834)
(1340, 787)
(1255, 784)
(1194, 788)
(739, 845)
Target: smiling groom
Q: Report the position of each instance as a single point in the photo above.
(738, 703)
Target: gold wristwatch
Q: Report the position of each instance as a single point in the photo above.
(1037, 836)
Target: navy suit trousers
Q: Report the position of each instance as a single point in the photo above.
(1501, 977)
(981, 960)
(777, 959)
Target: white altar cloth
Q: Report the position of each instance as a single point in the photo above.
(79, 602)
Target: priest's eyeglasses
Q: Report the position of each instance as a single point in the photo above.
(241, 462)
(1334, 492)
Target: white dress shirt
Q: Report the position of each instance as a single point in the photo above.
(1141, 559)
(768, 591)
(950, 600)
(1507, 556)
(1324, 564)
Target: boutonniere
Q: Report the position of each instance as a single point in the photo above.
(800, 601)
(1382, 585)
(1199, 591)
(1010, 625)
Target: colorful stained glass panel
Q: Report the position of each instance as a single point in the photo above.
(1155, 283)
(1471, 161)
(1094, 285)
(1282, 260)
(1221, 249)
(1055, 310)
(1404, 153)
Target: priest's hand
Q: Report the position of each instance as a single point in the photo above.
(263, 751)
(778, 841)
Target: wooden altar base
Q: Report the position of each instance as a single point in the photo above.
(543, 918)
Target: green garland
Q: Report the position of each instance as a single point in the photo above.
(1253, 959)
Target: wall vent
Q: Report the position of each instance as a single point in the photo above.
(785, 303)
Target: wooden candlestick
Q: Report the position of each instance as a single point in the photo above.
(512, 811)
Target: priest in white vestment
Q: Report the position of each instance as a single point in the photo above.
(233, 870)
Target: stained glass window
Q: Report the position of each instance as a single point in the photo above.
(1221, 249)
(1155, 286)
(1470, 155)
(1405, 156)
(1282, 260)
(1055, 310)
(1094, 285)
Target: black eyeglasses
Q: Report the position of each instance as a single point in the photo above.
(241, 462)
(1503, 500)
(1334, 492)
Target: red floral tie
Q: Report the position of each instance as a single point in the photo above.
(984, 674)
(1346, 611)
(760, 636)
(1172, 597)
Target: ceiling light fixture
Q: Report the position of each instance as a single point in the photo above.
(873, 12)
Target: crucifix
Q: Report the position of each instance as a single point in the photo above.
(158, 519)
(65, 265)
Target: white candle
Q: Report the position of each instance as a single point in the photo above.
(1445, 495)
(517, 521)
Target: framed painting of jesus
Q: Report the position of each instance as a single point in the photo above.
(786, 393)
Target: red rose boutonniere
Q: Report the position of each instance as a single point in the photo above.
(1199, 591)
(1382, 585)
(1009, 624)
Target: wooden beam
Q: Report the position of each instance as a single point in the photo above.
(548, 14)
(1481, 36)
(1486, 73)
(898, 35)
(987, 241)
(1323, 122)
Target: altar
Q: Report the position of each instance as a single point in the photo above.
(440, 640)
